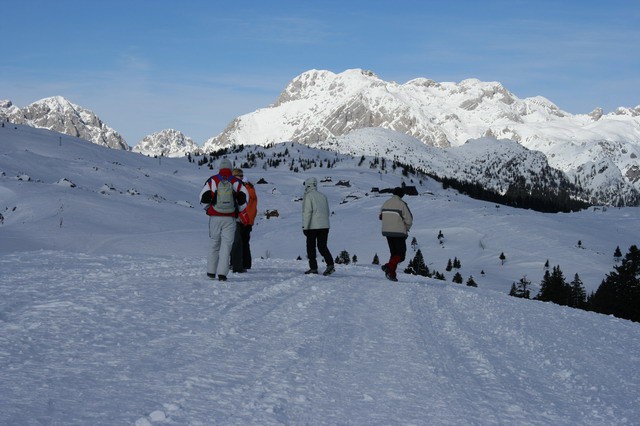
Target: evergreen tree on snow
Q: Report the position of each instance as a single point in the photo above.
(521, 288)
(578, 295)
(617, 254)
(449, 266)
(502, 258)
(471, 282)
(439, 276)
(343, 258)
(376, 260)
(457, 278)
(419, 266)
(554, 288)
(619, 293)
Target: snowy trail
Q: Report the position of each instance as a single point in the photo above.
(89, 339)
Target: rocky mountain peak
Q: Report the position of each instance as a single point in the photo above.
(167, 143)
(59, 114)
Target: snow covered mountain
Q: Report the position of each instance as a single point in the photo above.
(107, 316)
(58, 114)
(167, 143)
(599, 151)
(498, 165)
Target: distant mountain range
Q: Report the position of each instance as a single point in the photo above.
(356, 112)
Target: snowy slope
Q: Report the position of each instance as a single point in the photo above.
(107, 318)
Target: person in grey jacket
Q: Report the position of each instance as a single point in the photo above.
(396, 223)
(315, 226)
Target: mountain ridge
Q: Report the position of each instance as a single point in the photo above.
(597, 152)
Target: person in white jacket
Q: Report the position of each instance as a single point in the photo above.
(315, 226)
(396, 223)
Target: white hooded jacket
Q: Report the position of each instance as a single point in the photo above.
(315, 207)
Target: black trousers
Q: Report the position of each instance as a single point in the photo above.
(398, 247)
(241, 250)
(318, 237)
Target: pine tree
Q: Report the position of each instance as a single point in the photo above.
(502, 258)
(449, 266)
(456, 263)
(409, 269)
(471, 282)
(546, 265)
(354, 259)
(414, 244)
(577, 295)
(457, 278)
(419, 266)
(343, 258)
(513, 292)
(619, 293)
(521, 289)
(554, 288)
(617, 254)
(376, 260)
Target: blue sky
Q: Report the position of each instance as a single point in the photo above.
(144, 66)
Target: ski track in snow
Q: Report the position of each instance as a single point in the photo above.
(116, 339)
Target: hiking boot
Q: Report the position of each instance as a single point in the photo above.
(212, 276)
(222, 277)
(311, 271)
(389, 276)
(385, 267)
(330, 270)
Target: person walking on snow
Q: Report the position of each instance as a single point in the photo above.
(225, 197)
(315, 226)
(396, 223)
(241, 250)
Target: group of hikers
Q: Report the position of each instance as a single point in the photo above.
(232, 206)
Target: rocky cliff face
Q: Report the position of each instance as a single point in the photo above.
(167, 143)
(62, 116)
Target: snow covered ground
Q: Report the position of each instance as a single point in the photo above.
(106, 316)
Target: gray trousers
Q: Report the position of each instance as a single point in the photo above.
(222, 230)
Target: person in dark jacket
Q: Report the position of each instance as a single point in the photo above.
(396, 223)
(241, 250)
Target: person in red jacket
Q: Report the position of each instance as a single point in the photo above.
(225, 197)
(241, 250)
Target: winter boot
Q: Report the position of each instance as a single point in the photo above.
(212, 276)
(330, 270)
(222, 277)
(311, 271)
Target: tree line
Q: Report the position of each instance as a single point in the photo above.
(617, 295)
